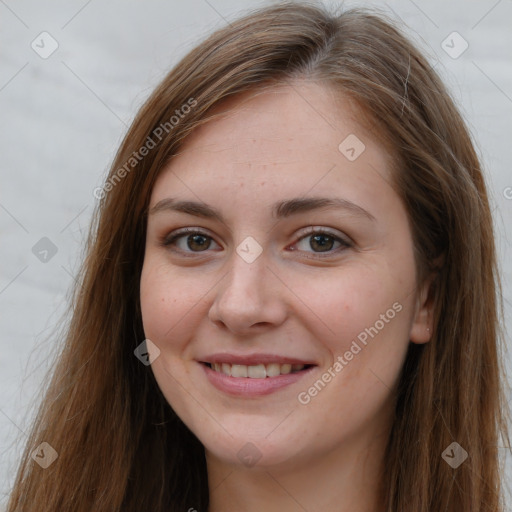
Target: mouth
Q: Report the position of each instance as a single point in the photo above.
(257, 371)
(256, 379)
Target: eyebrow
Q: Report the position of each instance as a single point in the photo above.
(281, 209)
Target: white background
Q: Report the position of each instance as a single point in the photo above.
(63, 117)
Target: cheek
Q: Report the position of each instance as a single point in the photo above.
(153, 302)
(368, 315)
(174, 303)
(164, 301)
(341, 307)
(367, 310)
(166, 312)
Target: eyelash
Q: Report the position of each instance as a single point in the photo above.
(169, 241)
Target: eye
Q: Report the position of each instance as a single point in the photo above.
(322, 241)
(191, 240)
(188, 240)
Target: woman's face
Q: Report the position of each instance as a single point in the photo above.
(278, 287)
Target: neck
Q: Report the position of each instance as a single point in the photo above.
(345, 479)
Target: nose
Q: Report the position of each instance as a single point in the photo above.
(249, 298)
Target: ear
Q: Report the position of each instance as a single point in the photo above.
(422, 324)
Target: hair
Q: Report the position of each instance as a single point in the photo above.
(121, 446)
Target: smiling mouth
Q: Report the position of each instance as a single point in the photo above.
(257, 371)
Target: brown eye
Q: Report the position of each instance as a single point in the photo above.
(318, 241)
(322, 242)
(198, 241)
(188, 241)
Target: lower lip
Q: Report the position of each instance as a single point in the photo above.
(245, 386)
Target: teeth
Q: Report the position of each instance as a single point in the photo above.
(286, 368)
(258, 371)
(238, 370)
(273, 370)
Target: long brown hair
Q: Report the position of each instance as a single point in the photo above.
(120, 445)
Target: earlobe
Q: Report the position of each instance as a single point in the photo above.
(422, 325)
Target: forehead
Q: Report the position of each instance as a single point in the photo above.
(296, 138)
(278, 117)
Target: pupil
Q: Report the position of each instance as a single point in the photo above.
(323, 246)
(194, 239)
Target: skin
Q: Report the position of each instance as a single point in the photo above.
(295, 299)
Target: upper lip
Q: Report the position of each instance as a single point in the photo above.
(253, 359)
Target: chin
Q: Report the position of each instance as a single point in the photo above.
(252, 450)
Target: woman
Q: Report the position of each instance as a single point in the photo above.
(289, 298)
